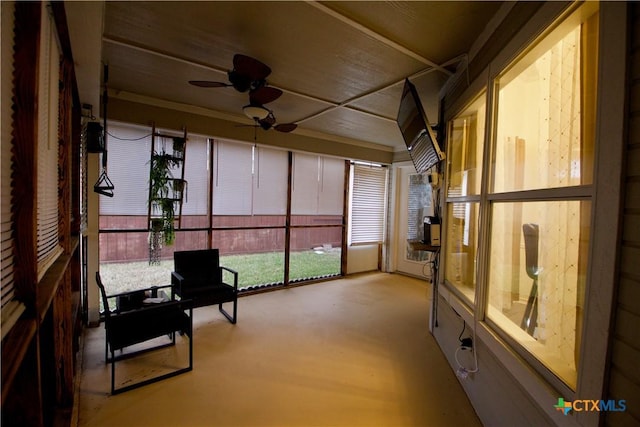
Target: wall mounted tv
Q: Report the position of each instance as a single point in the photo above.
(416, 131)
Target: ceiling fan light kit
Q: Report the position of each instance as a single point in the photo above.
(255, 112)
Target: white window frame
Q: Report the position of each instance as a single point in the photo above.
(605, 193)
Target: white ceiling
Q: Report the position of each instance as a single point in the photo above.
(341, 65)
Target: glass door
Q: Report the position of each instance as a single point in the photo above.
(415, 202)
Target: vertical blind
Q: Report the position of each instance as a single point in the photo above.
(47, 151)
(368, 196)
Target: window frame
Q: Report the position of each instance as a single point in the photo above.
(473, 198)
(604, 192)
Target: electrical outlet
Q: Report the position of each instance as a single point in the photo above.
(466, 343)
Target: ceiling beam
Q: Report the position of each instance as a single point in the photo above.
(345, 104)
(377, 36)
(331, 105)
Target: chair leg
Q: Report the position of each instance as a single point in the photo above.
(231, 319)
(113, 372)
(191, 345)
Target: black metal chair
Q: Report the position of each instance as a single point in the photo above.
(133, 322)
(198, 277)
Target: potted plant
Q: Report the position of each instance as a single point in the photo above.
(179, 144)
(179, 186)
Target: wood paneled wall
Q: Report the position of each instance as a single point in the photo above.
(624, 378)
(38, 353)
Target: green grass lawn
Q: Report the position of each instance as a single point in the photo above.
(253, 269)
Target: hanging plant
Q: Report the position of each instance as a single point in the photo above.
(155, 240)
(168, 218)
(162, 191)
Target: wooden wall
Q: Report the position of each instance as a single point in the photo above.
(624, 378)
(38, 353)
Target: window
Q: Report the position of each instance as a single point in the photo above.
(462, 248)
(464, 173)
(536, 198)
(368, 203)
(537, 275)
(538, 256)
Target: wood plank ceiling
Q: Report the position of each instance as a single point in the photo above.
(341, 65)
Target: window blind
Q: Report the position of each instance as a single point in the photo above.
(196, 173)
(270, 181)
(368, 196)
(232, 179)
(10, 307)
(48, 247)
(318, 185)
(304, 186)
(331, 191)
(129, 151)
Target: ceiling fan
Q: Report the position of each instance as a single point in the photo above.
(250, 75)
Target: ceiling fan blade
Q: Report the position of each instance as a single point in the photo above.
(267, 122)
(285, 127)
(264, 95)
(265, 125)
(206, 83)
(250, 67)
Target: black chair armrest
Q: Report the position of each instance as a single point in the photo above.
(144, 311)
(152, 289)
(176, 282)
(235, 276)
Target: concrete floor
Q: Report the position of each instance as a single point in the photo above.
(348, 352)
